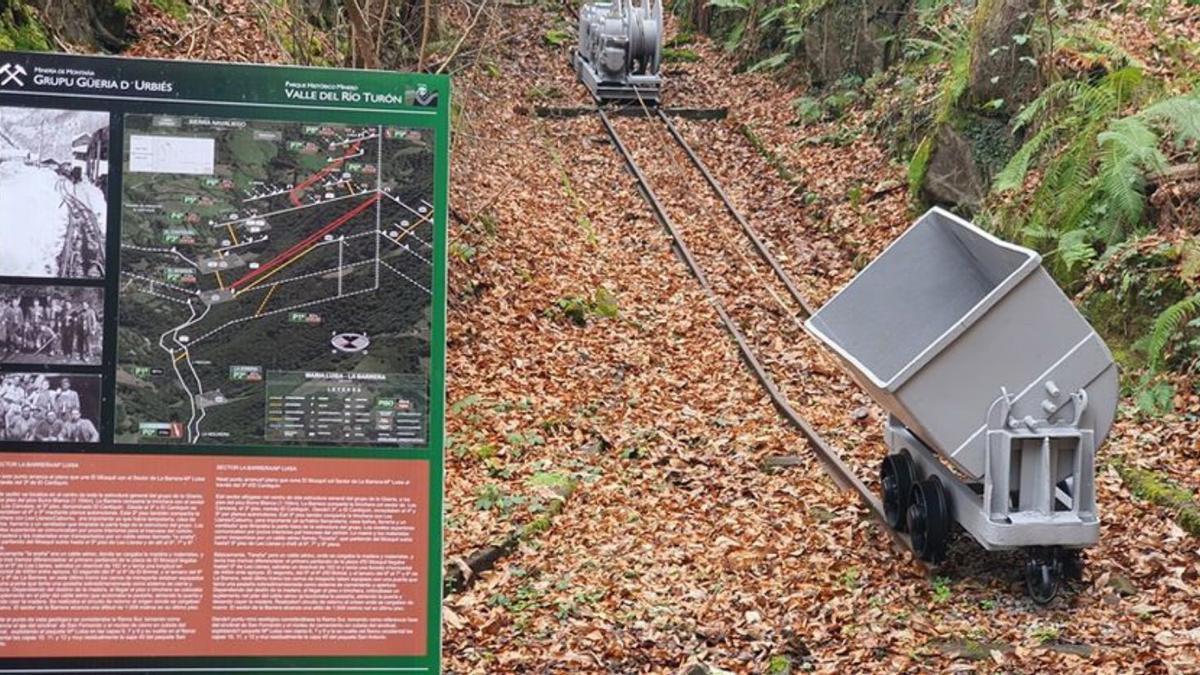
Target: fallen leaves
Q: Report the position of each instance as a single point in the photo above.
(211, 30)
(705, 557)
(686, 546)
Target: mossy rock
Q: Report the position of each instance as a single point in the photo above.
(952, 176)
(92, 24)
(21, 28)
(852, 37)
(1004, 66)
(961, 158)
(1162, 491)
(992, 142)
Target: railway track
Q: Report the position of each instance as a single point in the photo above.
(82, 254)
(756, 300)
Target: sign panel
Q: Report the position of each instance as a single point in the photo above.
(222, 307)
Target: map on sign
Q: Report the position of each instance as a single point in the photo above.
(275, 282)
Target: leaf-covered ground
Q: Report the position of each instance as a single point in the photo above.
(585, 361)
(677, 547)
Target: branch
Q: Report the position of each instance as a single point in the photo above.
(1172, 174)
(425, 21)
(462, 38)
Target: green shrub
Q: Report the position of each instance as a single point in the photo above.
(602, 304)
(556, 37)
(808, 110)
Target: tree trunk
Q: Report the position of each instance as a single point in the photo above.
(426, 17)
(362, 35)
(701, 16)
(382, 33)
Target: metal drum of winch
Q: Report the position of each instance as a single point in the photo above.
(620, 50)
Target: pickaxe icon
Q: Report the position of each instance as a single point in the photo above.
(12, 73)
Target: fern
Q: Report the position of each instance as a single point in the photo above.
(1095, 178)
(773, 15)
(737, 8)
(927, 46)
(735, 36)
(1012, 176)
(1189, 260)
(781, 31)
(1086, 43)
(1052, 94)
(1181, 113)
(736, 5)
(1129, 150)
(770, 63)
(1075, 248)
(1116, 88)
(1166, 325)
(956, 81)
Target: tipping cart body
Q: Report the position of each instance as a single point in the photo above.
(982, 362)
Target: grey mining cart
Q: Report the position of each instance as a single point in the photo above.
(620, 50)
(998, 394)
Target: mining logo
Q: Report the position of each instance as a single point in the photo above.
(10, 73)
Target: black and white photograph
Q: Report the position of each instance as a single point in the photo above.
(57, 325)
(49, 407)
(53, 185)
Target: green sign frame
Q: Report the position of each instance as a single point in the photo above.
(123, 88)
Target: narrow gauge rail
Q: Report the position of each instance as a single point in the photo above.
(841, 473)
(82, 253)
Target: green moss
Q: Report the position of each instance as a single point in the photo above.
(779, 665)
(556, 37)
(20, 28)
(682, 38)
(1162, 491)
(176, 8)
(561, 484)
(535, 526)
(768, 154)
(918, 165)
(545, 92)
(679, 55)
(306, 51)
(564, 487)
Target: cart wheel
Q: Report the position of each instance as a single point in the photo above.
(1043, 575)
(929, 519)
(1072, 564)
(896, 478)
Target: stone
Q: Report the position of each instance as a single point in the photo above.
(974, 650)
(1122, 585)
(1072, 648)
(852, 37)
(953, 178)
(96, 24)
